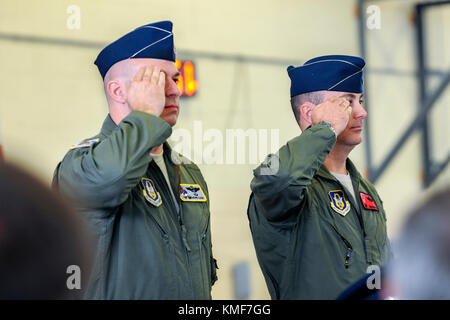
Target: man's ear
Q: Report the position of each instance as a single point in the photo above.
(117, 91)
(305, 111)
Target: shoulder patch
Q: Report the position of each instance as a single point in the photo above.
(192, 192)
(338, 202)
(84, 144)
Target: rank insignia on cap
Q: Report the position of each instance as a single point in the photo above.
(338, 202)
(150, 193)
(84, 144)
(368, 202)
(192, 192)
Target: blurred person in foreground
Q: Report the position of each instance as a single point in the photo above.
(149, 206)
(42, 241)
(420, 269)
(317, 224)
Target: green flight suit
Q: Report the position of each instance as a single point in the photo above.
(312, 240)
(146, 249)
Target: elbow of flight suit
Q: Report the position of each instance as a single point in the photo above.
(282, 189)
(103, 174)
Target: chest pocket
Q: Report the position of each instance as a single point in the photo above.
(375, 224)
(195, 210)
(193, 198)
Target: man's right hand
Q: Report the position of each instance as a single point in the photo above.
(335, 111)
(147, 90)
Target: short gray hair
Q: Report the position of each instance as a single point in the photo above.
(315, 97)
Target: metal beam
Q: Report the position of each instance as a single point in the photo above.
(436, 169)
(420, 47)
(417, 123)
(425, 101)
(362, 52)
(194, 54)
(186, 53)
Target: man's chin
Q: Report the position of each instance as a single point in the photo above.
(355, 141)
(171, 119)
(350, 140)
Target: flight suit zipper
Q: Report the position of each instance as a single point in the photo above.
(359, 217)
(366, 243)
(348, 255)
(201, 239)
(184, 234)
(182, 227)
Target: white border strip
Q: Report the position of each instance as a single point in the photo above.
(133, 55)
(344, 80)
(328, 60)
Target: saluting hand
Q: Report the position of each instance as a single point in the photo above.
(147, 90)
(335, 111)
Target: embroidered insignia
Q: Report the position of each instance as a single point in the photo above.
(338, 202)
(192, 192)
(368, 202)
(84, 144)
(150, 193)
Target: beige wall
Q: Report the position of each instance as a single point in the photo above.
(51, 95)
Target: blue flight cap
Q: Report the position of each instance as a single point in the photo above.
(331, 73)
(153, 40)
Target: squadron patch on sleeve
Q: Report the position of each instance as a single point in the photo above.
(84, 144)
(338, 202)
(150, 193)
(192, 192)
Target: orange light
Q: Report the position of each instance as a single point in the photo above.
(186, 82)
(180, 82)
(191, 85)
(178, 64)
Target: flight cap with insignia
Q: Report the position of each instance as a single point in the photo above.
(331, 73)
(153, 40)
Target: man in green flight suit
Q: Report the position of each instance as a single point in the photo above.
(148, 205)
(317, 225)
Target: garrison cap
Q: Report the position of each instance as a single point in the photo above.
(153, 40)
(331, 73)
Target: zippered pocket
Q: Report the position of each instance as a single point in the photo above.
(348, 247)
(164, 234)
(169, 266)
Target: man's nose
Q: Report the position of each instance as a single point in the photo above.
(359, 111)
(172, 88)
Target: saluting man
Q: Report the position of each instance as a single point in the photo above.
(317, 225)
(148, 205)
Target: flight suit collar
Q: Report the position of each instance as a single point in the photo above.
(173, 169)
(354, 174)
(171, 158)
(108, 125)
